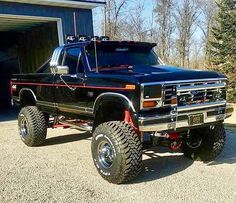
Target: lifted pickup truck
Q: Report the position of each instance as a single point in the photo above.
(122, 93)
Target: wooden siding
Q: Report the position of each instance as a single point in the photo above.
(36, 46)
(26, 52)
(84, 16)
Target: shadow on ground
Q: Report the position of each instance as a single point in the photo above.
(8, 113)
(156, 166)
(160, 163)
(67, 139)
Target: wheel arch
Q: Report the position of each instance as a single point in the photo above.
(27, 97)
(106, 101)
(109, 96)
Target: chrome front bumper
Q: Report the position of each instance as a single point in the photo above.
(180, 119)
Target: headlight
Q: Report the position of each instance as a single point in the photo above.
(151, 96)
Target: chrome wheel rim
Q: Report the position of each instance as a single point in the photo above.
(23, 128)
(105, 154)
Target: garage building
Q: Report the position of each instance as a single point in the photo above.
(31, 29)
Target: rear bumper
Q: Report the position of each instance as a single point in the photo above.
(180, 119)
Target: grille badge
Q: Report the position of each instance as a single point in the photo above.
(194, 93)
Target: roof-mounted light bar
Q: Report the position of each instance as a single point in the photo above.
(84, 38)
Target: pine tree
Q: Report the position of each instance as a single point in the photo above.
(223, 44)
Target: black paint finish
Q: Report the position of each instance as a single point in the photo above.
(76, 94)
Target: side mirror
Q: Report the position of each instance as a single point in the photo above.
(62, 70)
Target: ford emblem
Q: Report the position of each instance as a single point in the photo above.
(194, 93)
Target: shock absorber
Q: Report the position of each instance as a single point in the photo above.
(174, 139)
(128, 119)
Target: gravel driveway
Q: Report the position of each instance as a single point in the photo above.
(62, 171)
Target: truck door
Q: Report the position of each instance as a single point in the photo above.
(69, 92)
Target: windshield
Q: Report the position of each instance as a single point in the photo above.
(121, 57)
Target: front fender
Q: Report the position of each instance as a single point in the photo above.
(111, 96)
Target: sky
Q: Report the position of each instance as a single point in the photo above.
(148, 6)
(98, 15)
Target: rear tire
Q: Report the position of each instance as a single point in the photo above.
(32, 126)
(205, 144)
(117, 152)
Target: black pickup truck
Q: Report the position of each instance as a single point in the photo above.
(123, 94)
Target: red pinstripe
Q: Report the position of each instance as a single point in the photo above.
(73, 86)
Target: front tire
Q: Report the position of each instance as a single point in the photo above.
(206, 143)
(117, 152)
(32, 126)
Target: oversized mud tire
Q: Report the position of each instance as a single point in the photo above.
(117, 152)
(205, 144)
(32, 126)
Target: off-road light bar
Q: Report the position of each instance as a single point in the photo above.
(84, 38)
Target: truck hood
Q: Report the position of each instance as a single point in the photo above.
(160, 73)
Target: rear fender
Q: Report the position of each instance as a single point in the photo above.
(30, 94)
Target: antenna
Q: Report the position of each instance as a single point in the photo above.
(95, 53)
(75, 23)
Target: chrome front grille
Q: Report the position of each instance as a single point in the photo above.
(193, 93)
(169, 94)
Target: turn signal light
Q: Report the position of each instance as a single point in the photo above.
(130, 87)
(150, 104)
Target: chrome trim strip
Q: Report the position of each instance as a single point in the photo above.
(200, 87)
(219, 109)
(141, 119)
(180, 123)
(186, 81)
(56, 56)
(48, 104)
(66, 108)
(16, 98)
(72, 109)
(27, 89)
(201, 106)
(116, 95)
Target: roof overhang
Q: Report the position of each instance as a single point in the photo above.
(90, 4)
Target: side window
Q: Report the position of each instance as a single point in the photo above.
(73, 61)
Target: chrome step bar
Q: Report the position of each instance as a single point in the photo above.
(85, 127)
